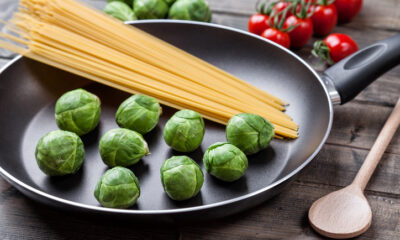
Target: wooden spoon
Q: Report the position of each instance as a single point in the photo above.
(346, 213)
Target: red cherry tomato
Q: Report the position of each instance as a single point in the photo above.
(280, 6)
(309, 10)
(324, 19)
(340, 46)
(277, 36)
(258, 23)
(347, 9)
(300, 35)
(335, 47)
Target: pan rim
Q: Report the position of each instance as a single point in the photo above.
(16, 182)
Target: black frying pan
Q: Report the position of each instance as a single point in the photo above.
(28, 91)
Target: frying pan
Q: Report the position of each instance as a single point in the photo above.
(29, 90)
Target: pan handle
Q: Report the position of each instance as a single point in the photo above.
(354, 73)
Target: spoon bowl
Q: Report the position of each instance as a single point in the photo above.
(341, 214)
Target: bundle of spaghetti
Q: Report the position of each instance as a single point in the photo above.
(71, 36)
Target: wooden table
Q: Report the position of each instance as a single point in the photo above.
(284, 217)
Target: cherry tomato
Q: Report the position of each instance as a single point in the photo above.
(300, 35)
(277, 36)
(335, 47)
(324, 19)
(280, 6)
(340, 46)
(347, 9)
(309, 10)
(258, 23)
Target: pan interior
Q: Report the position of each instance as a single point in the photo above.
(29, 90)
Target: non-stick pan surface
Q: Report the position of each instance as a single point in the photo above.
(29, 90)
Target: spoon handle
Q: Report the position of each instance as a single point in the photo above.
(379, 147)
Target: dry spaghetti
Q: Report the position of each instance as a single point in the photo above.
(71, 36)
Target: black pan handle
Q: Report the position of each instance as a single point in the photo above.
(354, 73)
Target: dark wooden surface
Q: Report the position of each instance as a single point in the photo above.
(356, 126)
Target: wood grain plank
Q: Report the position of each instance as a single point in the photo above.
(357, 125)
(338, 165)
(3, 62)
(384, 15)
(285, 217)
(21, 218)
(7, 7)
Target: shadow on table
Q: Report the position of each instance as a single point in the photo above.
(51, 223)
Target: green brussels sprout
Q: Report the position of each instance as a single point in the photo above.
(225, 161)
(196, 10)
(249, 132)
(181, 177)
(184, 132)
(139, 113)
(122, 147)
(120, 10)
(59, 153)
(78, 111)
(150, 9)
(170, 2)
(117, 188)
(128, 2)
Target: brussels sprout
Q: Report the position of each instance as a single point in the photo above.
(196, 10)
(120, 10)
(170, 2)
(225, 161)
(181, 177)
(249, 132)
(122, 147)
(117, 188)
(78, 111)
(139, 113)
(150, 9)
(128, 2)
(59, 153)
(184, 132)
